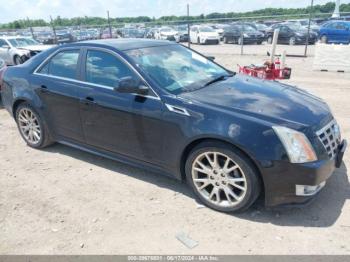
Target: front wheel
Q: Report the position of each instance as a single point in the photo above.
(31, 127)
(292, 41)
(222, 177)
(17, 60)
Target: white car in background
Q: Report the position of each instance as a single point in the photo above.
(16, 50)
(204, 35)
(165, 33)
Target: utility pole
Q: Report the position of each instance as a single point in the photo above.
(308, 28)
(53, 29)
(188, 25)
(109, 25)
(31, 28)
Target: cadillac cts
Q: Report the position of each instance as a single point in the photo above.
(162, 106)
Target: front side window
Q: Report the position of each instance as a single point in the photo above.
(176, 68)
(105, 69)
(64, 64)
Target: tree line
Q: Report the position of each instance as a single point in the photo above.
(95, 21)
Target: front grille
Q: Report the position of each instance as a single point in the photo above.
(330, 138)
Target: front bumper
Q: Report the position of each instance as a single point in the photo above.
(209, 41)
(283, 180)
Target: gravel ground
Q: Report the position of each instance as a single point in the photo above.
(64, 201)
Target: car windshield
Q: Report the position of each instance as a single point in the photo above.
(165, 30)
(20, 42)
(206, 29)
(261, 26)
(176, 68)
(295, 26)
(249, 28)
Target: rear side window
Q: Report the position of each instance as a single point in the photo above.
(64, 64)
(105, 69)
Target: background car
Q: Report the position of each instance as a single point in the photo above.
(335, 32)
(204, 35)
(165, 33)
(305, 23)
(242, 34)
(182, 34)
(292, 34)
(16, 50)
(132, 33)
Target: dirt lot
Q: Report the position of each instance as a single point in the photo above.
(64, 201)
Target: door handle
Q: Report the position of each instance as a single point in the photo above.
(44, 89)
(88, 101)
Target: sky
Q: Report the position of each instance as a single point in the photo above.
(19, 9)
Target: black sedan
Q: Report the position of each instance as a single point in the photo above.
(162, 106)
(292, 34)
(242, 34)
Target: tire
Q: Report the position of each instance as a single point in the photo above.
(17, 60)
(324, 39)
(292, 41)
(198, 41)
(242, 183)
(225, 40)
(240, 41)
(259, 43)
(269, 40)
(38, 126)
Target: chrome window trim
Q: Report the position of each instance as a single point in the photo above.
(156, 97)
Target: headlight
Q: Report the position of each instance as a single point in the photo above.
(297, 145)
(245, 35)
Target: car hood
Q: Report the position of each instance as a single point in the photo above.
(36, 47)
(209, 34)
(169, 33)
(263, 99)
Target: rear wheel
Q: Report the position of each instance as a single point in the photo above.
(198, 41)
(31, 127)
(225, 40)
(222, 177)
(292, 41)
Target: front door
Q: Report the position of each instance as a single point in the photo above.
(122, 123)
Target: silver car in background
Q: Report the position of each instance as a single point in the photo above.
(15, 50)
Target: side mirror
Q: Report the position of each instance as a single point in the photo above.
(130, 85)
(6, 46)
(211, 58)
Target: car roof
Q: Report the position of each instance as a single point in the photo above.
(124, 44)
(14, 37)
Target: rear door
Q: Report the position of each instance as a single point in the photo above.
(56, 83)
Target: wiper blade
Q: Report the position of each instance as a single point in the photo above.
(217, 79)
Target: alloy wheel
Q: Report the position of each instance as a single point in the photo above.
(29, 126)
(292, 41)
(219, 179)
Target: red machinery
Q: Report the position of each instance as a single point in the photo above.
(269, 71)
